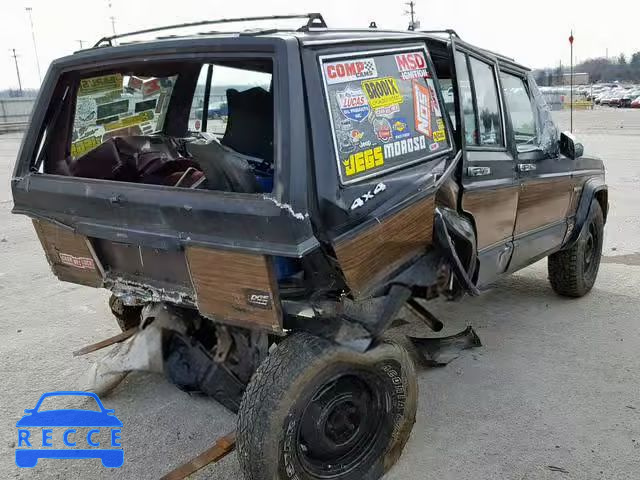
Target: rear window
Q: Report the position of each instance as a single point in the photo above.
(384, 111)
(118, 105)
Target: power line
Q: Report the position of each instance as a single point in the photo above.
(15, 59)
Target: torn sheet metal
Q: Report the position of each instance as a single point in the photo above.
(438, 352)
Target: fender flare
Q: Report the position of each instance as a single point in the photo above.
(591, 190)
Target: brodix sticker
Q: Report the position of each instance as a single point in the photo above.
(382, 92)
(348, 71)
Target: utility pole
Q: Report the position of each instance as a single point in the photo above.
(413, 24)
(15, 59)
(81, 42)
(571, 74)
(35, 46)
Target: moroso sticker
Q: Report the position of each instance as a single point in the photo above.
(422, 108)
(348, 71)
(382, 127)
(403, 147)
(78, 262)
(400, 128)
(353, 103)
(363, 161)
(382, 92)
(411, 65)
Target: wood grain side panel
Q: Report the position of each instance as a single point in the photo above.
(494, 212)
(225, 282)
(368, 257)
(543, 202)
(68, 254)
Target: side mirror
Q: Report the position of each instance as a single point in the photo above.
(570, 147)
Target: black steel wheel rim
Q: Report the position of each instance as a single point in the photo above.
(591, 250)
(341, 425)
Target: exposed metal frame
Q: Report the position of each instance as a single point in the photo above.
(321, 60)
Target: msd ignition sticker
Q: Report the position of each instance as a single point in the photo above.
(353, 103)
(350, 70)
(411, 65)
(422, 108)
(382, 92)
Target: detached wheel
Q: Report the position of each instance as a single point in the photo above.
(126, 316)
(315, 410)
(573, 272)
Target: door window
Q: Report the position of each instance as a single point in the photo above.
(466, 98)
(488, 106)
(521, 111)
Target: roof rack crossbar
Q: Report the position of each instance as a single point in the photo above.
(315, 20)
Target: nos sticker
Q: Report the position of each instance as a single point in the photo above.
(422, 109)
(353, 103)
(348, 71)
(259, 299)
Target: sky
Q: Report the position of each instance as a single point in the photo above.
(534, 33)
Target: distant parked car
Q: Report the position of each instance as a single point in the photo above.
(635, 103)
(628, 97)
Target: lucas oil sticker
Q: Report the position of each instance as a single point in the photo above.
(350, 70)
(353, 104)
(411, 65)
(382, 92)
(422, 108)
(363, 161)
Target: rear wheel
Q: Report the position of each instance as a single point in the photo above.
(573, 272)
(127, 316)
(315, 410)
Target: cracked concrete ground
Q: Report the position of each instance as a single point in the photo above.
(554, 393)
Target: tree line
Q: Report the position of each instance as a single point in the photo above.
(599, 69)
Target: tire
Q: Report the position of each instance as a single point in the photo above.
(127, 316)
(573, 272)
(316, 410)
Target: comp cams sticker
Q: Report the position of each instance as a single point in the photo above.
(350, 70)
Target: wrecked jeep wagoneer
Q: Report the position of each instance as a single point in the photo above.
(283, 194)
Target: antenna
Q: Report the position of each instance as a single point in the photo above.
(15, 59)
(33, 36)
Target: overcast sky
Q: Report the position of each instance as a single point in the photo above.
(535, 32)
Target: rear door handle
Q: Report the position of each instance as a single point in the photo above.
(526, 167)
(478, 171)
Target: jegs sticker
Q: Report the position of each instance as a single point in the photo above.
(363, 161)
(422, 108)
(350, 70)
(353, 103)
(412, 65)
(382, 92)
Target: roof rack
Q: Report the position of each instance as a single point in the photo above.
(448, 31)
(315, 20)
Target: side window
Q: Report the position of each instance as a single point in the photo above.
(224, 79)
(486, 92)
(521, 111)
(466, 98)
(384, 111)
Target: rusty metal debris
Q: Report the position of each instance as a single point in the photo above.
(121, 337)
(223, 446)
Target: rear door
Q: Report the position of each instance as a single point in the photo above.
(489, 181)
(546, 185)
